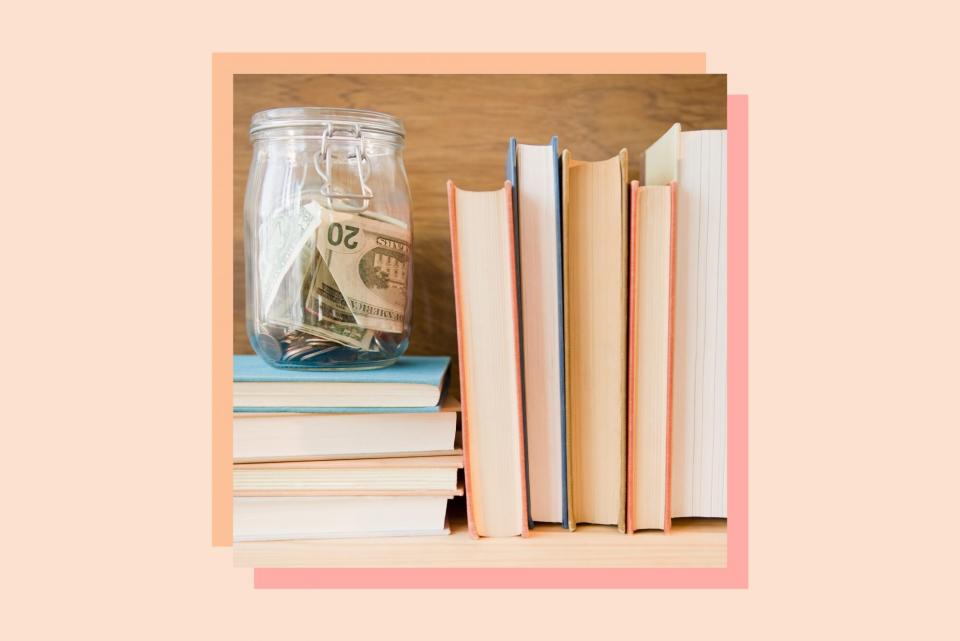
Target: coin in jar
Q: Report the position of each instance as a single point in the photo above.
(269, 346)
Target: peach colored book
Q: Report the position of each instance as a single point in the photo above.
(631, 355)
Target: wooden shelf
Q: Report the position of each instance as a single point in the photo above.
(691, 543)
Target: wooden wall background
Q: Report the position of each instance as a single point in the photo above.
(457, 128)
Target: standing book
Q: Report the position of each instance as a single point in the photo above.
(594, 196)
(535, 170)
(650, 356)
(697, 162)
(484, 277)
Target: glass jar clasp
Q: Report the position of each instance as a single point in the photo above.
(344, 201)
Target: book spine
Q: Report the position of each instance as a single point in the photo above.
(558, 193)
(671, 305)
(632, 357)
(624, 249)
(568, 436)
(513, 177)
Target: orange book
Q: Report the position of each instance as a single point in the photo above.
(653, 216)
(483, 247)
(594, 195)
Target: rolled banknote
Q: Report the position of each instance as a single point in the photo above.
(286, 232)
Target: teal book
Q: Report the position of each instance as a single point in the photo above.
(414, 383)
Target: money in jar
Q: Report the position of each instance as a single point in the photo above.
(328, 239)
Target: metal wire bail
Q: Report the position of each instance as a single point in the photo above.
(343, 201)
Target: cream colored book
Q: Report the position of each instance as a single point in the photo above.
(294, 436)
(484, 280)
(273, 518)
(650, 367)
(697, 161)
(594, 199)
(428, 473)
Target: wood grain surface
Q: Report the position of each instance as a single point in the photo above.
(457, 128)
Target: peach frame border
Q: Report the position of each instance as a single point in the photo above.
(224, 67)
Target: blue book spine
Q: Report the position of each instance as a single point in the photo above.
(565, 522)
(513, 177)
(425, 370)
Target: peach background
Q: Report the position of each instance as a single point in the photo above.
(853, 316)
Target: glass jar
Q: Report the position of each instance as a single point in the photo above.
(328, 239)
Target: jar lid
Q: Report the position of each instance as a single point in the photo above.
(369, 121)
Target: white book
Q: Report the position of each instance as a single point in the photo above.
(419, 474)
(273, 518)
(300, 437)
(697, 161)
(535, 168)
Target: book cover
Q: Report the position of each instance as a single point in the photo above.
(414, 370)
(565, 159)
(418, 372)
(632, 353)
(624, 230)
(513, 177)
(341, 410)
(555, 143)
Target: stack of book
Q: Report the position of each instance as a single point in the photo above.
(343, 454)
(592, 337)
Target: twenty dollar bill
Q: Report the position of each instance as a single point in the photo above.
(368, 262)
